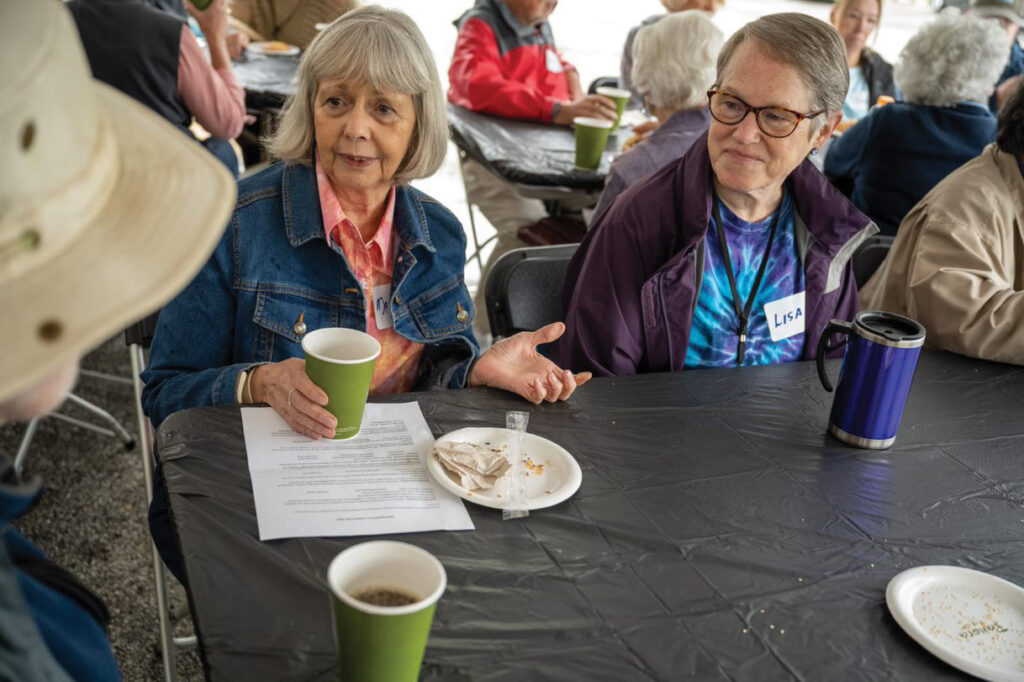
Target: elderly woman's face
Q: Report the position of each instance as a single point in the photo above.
(362, 135)
(743, 158)
(856, 23)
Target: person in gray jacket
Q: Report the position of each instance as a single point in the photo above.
(673, 68)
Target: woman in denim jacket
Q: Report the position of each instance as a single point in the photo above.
(317, 239)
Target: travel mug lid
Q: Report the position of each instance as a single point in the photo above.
(889, 329)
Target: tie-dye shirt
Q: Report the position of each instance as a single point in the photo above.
(714, 332)
(372, 264)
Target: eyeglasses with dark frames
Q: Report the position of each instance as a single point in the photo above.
(773, 121)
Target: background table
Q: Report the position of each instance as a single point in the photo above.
(539, 159)
(268, 79)
(718, 534)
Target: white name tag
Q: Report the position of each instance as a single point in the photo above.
(785, 316)
(554, 63)
(382, 306)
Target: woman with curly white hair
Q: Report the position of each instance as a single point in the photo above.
(895, 155)
(672, 7)
(674, 67)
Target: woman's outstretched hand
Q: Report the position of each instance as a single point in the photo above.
(286, 387)
(513, 364)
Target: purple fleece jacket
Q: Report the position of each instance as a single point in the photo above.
(631, 288)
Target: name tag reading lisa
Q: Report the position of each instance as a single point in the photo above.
(554, 64)
(382, 306)
(785, 316)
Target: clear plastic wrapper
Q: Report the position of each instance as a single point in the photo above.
(516, 422)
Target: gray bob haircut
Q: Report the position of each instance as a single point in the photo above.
(808, 45)
(674, 60)
(384, 49)
(951, 60)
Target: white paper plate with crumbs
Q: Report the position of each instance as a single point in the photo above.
(553, 475)
(972, 620)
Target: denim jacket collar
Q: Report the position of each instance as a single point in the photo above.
(303, 219)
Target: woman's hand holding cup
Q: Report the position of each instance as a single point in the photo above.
(285, 387)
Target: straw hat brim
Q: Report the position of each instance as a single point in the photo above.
(168, 209)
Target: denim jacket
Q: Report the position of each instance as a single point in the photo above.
(274, 264)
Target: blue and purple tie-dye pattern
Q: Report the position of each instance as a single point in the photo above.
(713, 333)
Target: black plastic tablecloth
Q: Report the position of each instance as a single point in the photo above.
(719, 534)
(268, 79)
(528, 153)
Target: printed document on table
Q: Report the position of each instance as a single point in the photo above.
(373, 484)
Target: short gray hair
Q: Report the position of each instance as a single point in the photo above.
(384, 49)
(674, 59)
(808, 45)
(953, 59)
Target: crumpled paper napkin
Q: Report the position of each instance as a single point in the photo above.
(477, 467)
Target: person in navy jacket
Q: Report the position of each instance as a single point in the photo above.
(896, 154)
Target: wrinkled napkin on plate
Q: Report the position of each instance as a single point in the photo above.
(476, 467)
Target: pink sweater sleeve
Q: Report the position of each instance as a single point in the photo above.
(212, 95)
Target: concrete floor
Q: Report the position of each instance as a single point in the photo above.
(92, 516)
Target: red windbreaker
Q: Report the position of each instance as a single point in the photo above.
(504, 68)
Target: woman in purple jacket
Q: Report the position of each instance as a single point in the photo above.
(738, 253)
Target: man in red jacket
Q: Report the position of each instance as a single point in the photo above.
(506, 64)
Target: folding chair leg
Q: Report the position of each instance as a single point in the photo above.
(159, 576)
(119, 431)
(477, 246)
(26, 441)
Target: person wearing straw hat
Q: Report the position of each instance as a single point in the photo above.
(1010, 15)
(91, 239)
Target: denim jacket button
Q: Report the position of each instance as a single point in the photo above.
(462, 315)
(398, 300)
(300, 326)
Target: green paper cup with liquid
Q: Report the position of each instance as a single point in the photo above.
(591, 138)
(383, 595)
(621, 99)
(340, 361)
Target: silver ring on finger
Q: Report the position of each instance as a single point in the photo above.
(290, 396)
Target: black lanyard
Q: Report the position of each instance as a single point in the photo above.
(744, 313)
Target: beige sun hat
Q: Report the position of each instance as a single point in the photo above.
(106, 209)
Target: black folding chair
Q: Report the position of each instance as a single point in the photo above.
(869, 256)
(602, 81)
(524, 288)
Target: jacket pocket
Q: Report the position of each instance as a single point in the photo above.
(283, 319)
(443, 311)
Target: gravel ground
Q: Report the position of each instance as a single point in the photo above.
(92, 517)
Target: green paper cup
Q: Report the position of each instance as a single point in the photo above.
(591, 138)
(621, 98)
(383, 643)
(340, 361)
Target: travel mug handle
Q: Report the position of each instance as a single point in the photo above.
(824, 348)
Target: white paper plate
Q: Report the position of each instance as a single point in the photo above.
(553, 478)
(969, 619)
(274, 48)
